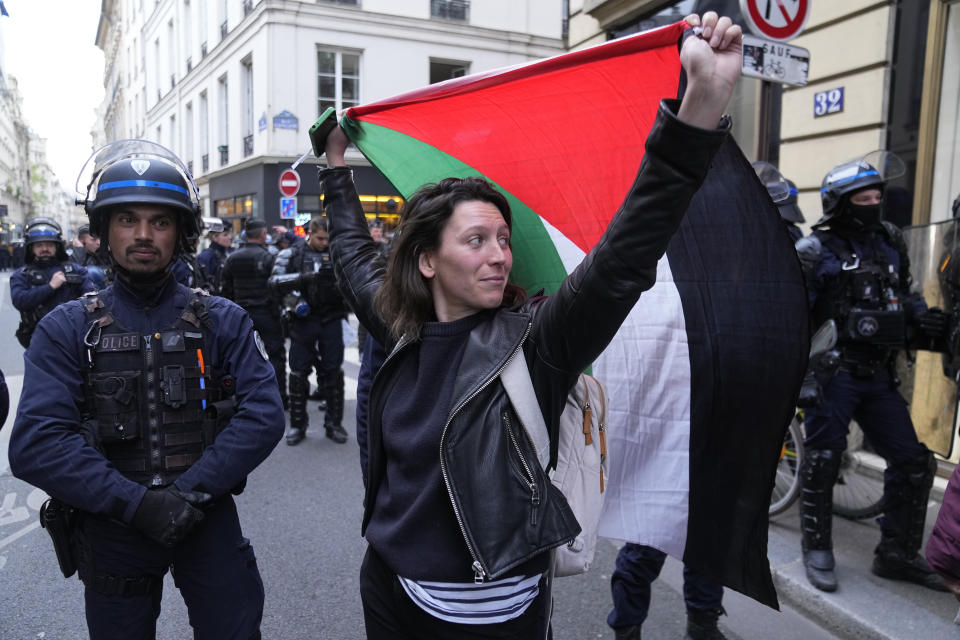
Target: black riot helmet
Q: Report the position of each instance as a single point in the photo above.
(782, 191)
(873, 170)
(42, 229)
(139, 172)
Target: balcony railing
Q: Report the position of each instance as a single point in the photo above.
(248, 145)
(189, 64)
(190, 167)
(203, 49)
(224, 154)
(173, 80)
(205, 162)
(450, 9)
(223, 29)
(247, 7)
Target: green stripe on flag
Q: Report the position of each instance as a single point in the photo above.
(409, 163)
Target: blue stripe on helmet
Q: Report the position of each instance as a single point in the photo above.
(863, 174)
(120, 184)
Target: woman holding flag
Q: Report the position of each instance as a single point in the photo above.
(460, 543)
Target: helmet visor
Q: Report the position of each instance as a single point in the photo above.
(121, 150)
(773, 180)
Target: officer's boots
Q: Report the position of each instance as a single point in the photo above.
(627, 633)
(702, 624)
(299, 387)
(333, 417)
(818, 473)
(905, 498)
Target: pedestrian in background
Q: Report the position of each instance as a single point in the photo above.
(637, 567)
(458, 545)
(145, 407)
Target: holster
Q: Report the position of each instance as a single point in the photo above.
(60, 521)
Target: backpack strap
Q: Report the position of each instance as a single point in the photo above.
(515, 378)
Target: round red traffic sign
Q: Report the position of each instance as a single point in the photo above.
(779, 20)
(289, 183)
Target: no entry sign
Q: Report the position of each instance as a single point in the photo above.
(778, 20)
(289, 183)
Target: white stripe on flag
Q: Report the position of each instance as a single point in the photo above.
(646, 370)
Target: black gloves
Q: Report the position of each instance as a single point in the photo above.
(934, 322)
(168, 515)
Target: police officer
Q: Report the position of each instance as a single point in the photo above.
(858, 275)
(315, 329)
(98, 263)
(244, 280)
(214, 256)
(145, 407)
(47, 279)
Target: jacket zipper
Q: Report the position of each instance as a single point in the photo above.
(531, 481)
(479, 571)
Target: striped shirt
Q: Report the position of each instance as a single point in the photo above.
(471, 603)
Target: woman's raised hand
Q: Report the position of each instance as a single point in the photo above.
(713, 62)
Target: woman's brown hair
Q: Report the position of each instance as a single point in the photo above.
(404, 301)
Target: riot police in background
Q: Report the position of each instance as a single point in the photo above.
(858, 274)
(783, 192)
(790, 212)
(214, 256)
(98, 262)
(303, 277)
(244, 280)
(47, 279)
(145, 407)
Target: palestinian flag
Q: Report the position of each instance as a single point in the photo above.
(702, 377)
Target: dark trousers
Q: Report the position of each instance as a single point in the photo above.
(878, 408)
(214, 568)
(311, 339)
(390, 614)
(267, 324)
(636, 568)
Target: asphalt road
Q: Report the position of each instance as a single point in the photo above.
(302, 511)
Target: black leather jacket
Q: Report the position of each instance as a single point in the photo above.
(504, 520)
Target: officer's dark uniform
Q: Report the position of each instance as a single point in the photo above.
(858, 275)
(244, 280)
(211, 260)
(315, 330)
(30, 289)
(146, 406)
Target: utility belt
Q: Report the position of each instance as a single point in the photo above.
(865, 364)
(62, 522)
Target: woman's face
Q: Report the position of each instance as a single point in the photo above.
(469, 270)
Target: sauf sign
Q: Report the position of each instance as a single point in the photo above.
(766, 54)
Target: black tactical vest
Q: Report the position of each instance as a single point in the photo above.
(250, 269)
(36, 277)
(321, 294)
(865, 300)
(154, 402)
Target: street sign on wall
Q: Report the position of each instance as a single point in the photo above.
(289, 183)
(779, 20)
(775, 61)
